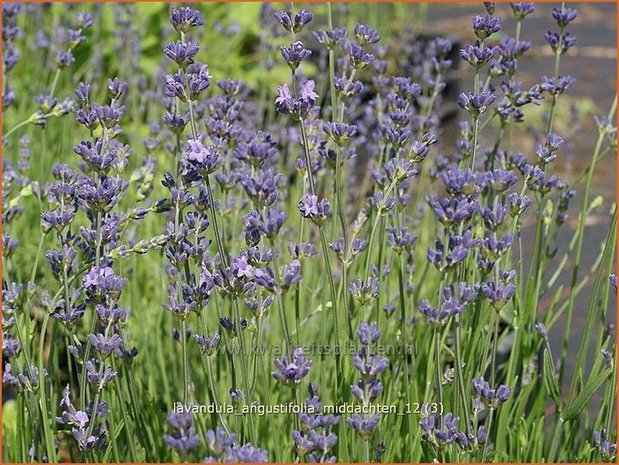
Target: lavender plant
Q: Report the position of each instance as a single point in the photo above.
(205, 219)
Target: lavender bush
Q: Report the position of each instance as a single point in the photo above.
(255, 241)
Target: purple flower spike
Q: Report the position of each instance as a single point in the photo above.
(183, 19)
(317, 210)
(491, 398)
(485, 26)
(564, 16)
(291, 370)
(364, 426)
(205, 159)
(184, 438)
(365, 34)
(522, 9)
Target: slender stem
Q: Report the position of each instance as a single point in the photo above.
(494, 349)
(459, 374)
(281, 307)
(54, 82)
(47, 432)
(475, 137)
(16, 127)
(185, 361)
(579, 245)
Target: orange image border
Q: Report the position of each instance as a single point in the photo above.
(320, 2)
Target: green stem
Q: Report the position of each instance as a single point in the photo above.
(579, 245)
(185, 361)
(47, 431)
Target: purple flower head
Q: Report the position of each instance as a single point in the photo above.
(264, 277)
(469, 441)
(183, 19)
(291, 275)
(205, 159)
(111, 315)
(295, 54)
(494, 247)
(491, 398)
(395, 171)
(301, 251)
(451, 211)
(560, 42)
(490, 7)
(420, 148)
(264, 188)
(359, 58)
(556, 86)
(368, 364)
(97, 377)
(307, 91)
(476, 104)
(101, 282)
(87, 117)
(108, 116)
(564, 16)
(366, 392)
(116, 88)
(184, 438)
(463, 182)
(500, 180)
(541, 330)
(246, 453)
(218, 441)
(446, 256)
(175, 122)
(231, 87)
(500, 291)
(477, 55)
(607, 449)
(518, 204)
(75, 38)
(400, 240)
(64, 59)
(80, 422)
(522, 9)
(434, 434)
(382, 204)
(345, 90)
(485, 26)
(364, 292)
(340, 133)
(259, 150)
(83, 20)
(68, 315)
(182, 53)
(291, 24)
(315, 209)
(368, 333)
(236, 396)
(105, 345)
(365, 34)
(454, 301)
(290, 371)
(546, 152)
(46, 103)
(362, 425)
(495, 216)
(298, 108)
(330, 39)
(198, 80)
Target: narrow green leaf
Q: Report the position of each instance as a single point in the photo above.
(551, 382)
(576, 406)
